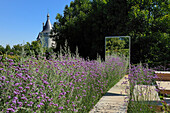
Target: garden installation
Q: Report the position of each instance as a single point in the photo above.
(146, 89)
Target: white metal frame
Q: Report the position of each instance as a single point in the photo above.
(119, 38)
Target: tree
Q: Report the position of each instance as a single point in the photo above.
(86, 23)
(2, 50)
(17, 49)
(8, 48)
(147, 20)
(35, 46)
(27, 48)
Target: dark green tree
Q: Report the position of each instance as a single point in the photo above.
(17, 49)
(147, 23)
(2, 50)
(86, 23)
(8, 49)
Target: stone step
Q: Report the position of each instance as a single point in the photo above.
(163, 75)
(164, 72)
(164, 87)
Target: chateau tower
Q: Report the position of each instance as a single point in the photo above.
(44, 35)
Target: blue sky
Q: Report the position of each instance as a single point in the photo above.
(21, 20)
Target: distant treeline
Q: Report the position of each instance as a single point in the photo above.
(28, 49)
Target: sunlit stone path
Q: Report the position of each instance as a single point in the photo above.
(114, 100)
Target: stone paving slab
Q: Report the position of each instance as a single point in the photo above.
(145, 93)
(163, 85)
(114, 100)
(165, 72)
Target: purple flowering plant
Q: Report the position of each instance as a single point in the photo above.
(142, 86)
(66, 83)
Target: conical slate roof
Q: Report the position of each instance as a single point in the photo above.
(48, 26)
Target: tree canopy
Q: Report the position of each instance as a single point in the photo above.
(86, 23)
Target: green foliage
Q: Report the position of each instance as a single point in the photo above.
(35, 48)
(17, 49)
(139, 107)
(8, 48)
(115, 43)
(15, 58)
(85, 23)
(2, 50)
(117, 46)
(147, 25)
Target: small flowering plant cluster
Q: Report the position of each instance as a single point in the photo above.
(140, 75)
(15, 58)
(143, 79)
(65, 84)
(162, 68)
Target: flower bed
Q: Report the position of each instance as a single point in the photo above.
(64, 84)
(144, 99)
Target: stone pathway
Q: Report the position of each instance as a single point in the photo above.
(114, 100)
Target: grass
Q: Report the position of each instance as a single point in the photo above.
(62, 84)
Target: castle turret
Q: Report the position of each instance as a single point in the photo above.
(44, 35)
(48, 26)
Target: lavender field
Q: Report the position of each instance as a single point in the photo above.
(61, 84)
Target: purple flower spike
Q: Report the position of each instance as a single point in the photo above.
(11, 109)
(10, 60)
(38, 106)
(20, 88)
(3, 78)
(29, 105)
(16, 84)
(45, 82)
(41, 103)
(16, 98)
(55, 104)
(60, 107)
(27, 87)
(14, 101)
